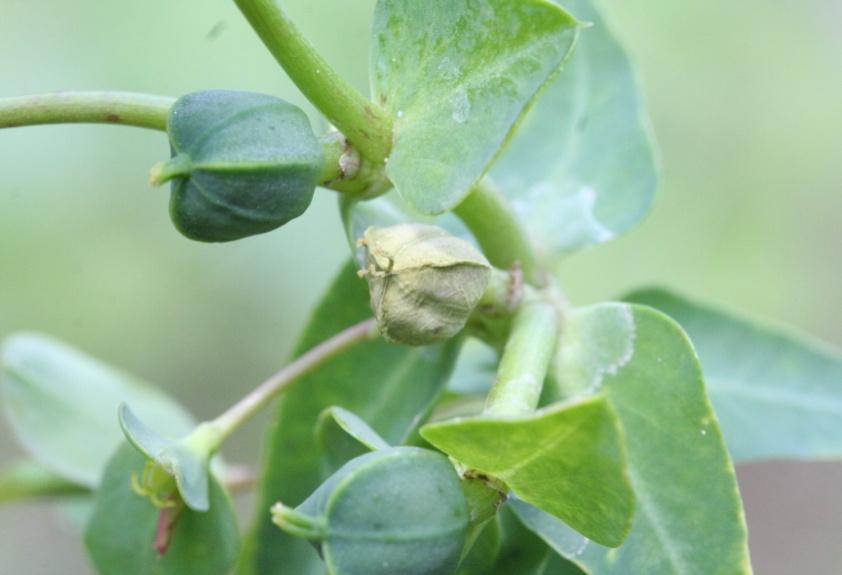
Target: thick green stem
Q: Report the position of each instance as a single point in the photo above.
(499, 232)
(363, 122)
(525, 361)
(123, 108)
(243, 410)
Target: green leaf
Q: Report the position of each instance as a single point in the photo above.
(396, 510)
(563, 540)
(777, 393)
(457, 75)
(390, 387)
(342, 436)
(28, 479)
(189, 467)
(521, 552)
(121, 534)
(689, 515)
(484, 552)
(567, 459)
(62, 405)
(582, 168)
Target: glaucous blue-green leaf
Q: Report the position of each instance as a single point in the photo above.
(390, 387)
(457, 75)
(62, 405)
(582, 168)
(568, 459)
(563, 540)
(689, 517)
(484, 552)
(189, 467)
(28, 479)
(524, 553)
(342, 436)
(396, 510)
(123, 534)
(777, 394)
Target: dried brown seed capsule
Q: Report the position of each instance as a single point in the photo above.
(424, 283)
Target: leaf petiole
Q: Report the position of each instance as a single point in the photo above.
(498, 231)
(247, 407)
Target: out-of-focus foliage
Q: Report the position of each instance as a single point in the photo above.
(748, 213)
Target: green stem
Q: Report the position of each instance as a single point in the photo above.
(27, 480)
(499, 232)
(247, 407)
(139, 110)
(525, 361)
(363, 122)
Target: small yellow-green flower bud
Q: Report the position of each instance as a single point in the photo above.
(424, 283)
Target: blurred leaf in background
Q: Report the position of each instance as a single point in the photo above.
(746, 100)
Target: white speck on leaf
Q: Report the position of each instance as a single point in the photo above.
(582, 547)
(461, 106)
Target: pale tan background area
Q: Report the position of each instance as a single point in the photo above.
(746, 99)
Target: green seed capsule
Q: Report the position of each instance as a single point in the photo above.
(397, 510)
(423, 282)
(243, 164)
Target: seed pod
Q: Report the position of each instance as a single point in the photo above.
(423, 282)
(396, 510)
(243, 164)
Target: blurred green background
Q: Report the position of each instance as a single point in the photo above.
(746, 99)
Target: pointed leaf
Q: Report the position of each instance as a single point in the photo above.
(777, 394)
(120, 537)
(567, 459)
(342, 436)
(457, 75)
(689, 515)
(61, 404)
(390, 387)
(582, 168)
(189, 467)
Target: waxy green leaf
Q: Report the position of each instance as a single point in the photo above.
(121, 536)
(563, 540)
(567, 459)
(777, 393)
(484, 552)
(62, 405)
(342, 436)
(457, 75)
(582, 168)
(524, 553)
(390, 387)
(688, 503)
(189, 467)
(396, 510)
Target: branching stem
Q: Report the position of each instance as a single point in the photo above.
(363, 122)
(499, 232)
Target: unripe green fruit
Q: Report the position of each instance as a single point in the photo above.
(243, 164)
(423, 282)
(399, 510)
